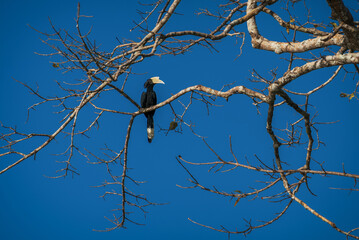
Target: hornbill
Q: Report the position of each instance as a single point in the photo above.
(148, 99)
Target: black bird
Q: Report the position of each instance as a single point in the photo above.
(148, 99)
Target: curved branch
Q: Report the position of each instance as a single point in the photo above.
(227, 29)
(281, 22)
(325, 61)
(260, 42)
(225, 95)
(287, 171)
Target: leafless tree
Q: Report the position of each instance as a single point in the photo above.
(322, 46)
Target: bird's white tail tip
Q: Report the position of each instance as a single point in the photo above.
(150, 134)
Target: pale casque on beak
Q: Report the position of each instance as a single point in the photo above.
(156, 80)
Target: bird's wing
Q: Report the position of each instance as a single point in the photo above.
(154, 98)
(151, 101)
(143, 99)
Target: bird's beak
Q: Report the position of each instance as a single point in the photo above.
(157, 80)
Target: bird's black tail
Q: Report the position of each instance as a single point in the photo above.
(150, 128)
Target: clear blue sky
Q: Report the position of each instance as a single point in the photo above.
(36, 207)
